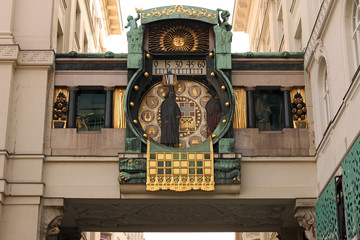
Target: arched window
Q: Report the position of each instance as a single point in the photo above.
(324, 94)
(356, 29)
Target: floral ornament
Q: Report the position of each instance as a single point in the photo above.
(298, 108)
(60, 107)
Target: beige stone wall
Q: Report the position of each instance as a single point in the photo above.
(328, 46)
(82, 26)
(28, 35)
(326, 38)
(277, 25)
(288, 142)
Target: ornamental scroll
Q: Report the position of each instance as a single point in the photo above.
(179, 11)
(180, 170)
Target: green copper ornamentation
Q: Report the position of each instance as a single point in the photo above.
(326, 214)
(351, 183)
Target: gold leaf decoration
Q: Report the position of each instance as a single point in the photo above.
(177, 36)
(179, 9)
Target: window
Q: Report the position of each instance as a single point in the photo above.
(60, 39)
(86, 44)
(356, 29)
(90, 110)
(77, 25)
(105, 236)
(324, 95)
(280, 29)
(327, 97)
(298, 37)
(269, 110)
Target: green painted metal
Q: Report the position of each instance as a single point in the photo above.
(202, 147)
(223, 39)
(326, 214)
(226, 145)
(135, 42)
(351, 185)
(132, 170)
(222, 129)
(178, 11)
(227, 171)
(133, 145)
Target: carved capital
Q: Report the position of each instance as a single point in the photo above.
(305, 216)
(51, 222)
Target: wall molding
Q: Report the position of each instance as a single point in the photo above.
(36, 57)
(27, 57)
(320, 23)
(9, 52)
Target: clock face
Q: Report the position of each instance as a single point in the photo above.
(191, 98)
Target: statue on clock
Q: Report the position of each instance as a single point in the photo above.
(170, 118)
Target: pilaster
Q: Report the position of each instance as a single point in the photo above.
(8, 57)
(6, 21)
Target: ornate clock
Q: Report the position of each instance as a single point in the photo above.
(179, 101)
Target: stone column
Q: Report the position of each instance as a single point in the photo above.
(304, 213)
(8, 57)
(109, 107)
(287, 107)
(6, 21)
(250, 107)
(72, 107)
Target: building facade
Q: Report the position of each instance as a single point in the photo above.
(327, 32)
(80, 133)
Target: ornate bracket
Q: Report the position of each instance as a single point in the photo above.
(305, 215)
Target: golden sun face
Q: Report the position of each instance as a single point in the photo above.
(179, 37)
(178, 41)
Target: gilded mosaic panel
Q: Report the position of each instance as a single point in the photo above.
(180, 171)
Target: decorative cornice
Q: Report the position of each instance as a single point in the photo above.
(27, 57)
(317, 30)
(9, 52)
(39, 58)
(179, 11)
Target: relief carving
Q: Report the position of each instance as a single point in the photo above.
(306, 219)
(9, 52)
(36, 58)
